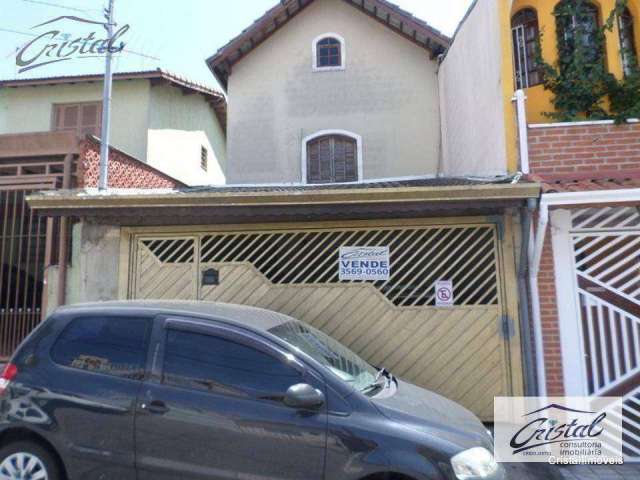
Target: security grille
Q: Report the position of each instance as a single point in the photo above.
(606, 243)
(419, 258)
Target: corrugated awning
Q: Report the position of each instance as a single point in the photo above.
(293, 202)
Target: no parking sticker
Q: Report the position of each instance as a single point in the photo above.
(444, 293)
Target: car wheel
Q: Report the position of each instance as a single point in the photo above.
(27, 461)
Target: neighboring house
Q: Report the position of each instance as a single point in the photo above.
(584, 267)
(29, 243)
(162, 119)
(329, 80)
(340, 136)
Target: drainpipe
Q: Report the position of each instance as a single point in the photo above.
(63, 251)
(535, 256)
(523, 136)
(530, 386)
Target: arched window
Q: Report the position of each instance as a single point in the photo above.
(580, 30)
(526, 41)
(332, 157)
(627, 41)
(328, 52)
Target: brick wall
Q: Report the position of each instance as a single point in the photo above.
(574, 148)
(550, 325)
(125, 171)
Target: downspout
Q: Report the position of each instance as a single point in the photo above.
(530, 387)
(523, 135)
(536, 245)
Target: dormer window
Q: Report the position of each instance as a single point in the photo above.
(328, 52)
(332, 156)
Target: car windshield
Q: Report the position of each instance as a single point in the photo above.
(329, 352)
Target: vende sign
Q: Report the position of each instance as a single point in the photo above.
(364, 263)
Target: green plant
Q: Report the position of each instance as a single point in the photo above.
(579, 81)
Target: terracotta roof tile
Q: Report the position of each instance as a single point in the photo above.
(591, 181)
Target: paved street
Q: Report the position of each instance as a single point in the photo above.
(538, 471)
(589, 472)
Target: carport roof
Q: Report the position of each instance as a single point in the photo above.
(238, 203)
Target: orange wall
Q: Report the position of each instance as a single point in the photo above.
(538, 99)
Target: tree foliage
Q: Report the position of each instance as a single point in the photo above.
(581, 85)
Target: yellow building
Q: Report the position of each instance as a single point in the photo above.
(533, 23)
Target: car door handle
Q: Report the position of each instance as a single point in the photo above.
(156, 406)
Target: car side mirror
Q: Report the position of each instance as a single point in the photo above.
(303, 396)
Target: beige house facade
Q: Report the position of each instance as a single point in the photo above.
(384, 95)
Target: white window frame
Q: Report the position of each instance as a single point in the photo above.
(322, 133)
(314, 53)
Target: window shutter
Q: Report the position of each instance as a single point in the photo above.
(332, 159)
(325, 160)
(84, 118)
(70, 117)
(89, 119)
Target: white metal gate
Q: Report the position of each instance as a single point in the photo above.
(606, 248)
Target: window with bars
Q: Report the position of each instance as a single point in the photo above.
(329, 53)
(332, 159)
(627, 41)
(83, 118)
(526, 41)
(581, 30)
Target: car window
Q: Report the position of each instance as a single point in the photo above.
(216, 364)
(114, 346)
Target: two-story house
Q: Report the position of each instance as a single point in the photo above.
(348, 131)
(157, 117)
(166, 132)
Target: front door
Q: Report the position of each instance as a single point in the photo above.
(214, 410)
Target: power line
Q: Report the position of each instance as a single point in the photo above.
(58, 5)
(8, 30)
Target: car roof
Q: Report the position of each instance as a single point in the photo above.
(242, 315)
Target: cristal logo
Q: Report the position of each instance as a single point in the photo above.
(45, 49)
(545, 430)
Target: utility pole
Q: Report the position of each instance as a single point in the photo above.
(106, 104)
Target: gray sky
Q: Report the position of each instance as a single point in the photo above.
(175, 35)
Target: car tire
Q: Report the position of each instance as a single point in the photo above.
(31, 458)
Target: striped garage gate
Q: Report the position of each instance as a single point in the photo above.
(468, 352)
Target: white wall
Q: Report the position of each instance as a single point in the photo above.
(179, 125)
(388, 94)
(472, 97)
(29, 109)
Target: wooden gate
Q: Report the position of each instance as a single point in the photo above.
(469, 353)
(606, 245)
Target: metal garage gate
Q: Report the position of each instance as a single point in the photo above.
(606, 244)
(464, 352)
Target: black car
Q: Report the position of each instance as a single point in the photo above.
(153, 390)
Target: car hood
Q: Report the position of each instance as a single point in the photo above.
(434, 414)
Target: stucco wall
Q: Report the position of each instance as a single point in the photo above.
(94, 271)
(179, 125)
(388, 94)
(472, 97)
(29, 109)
